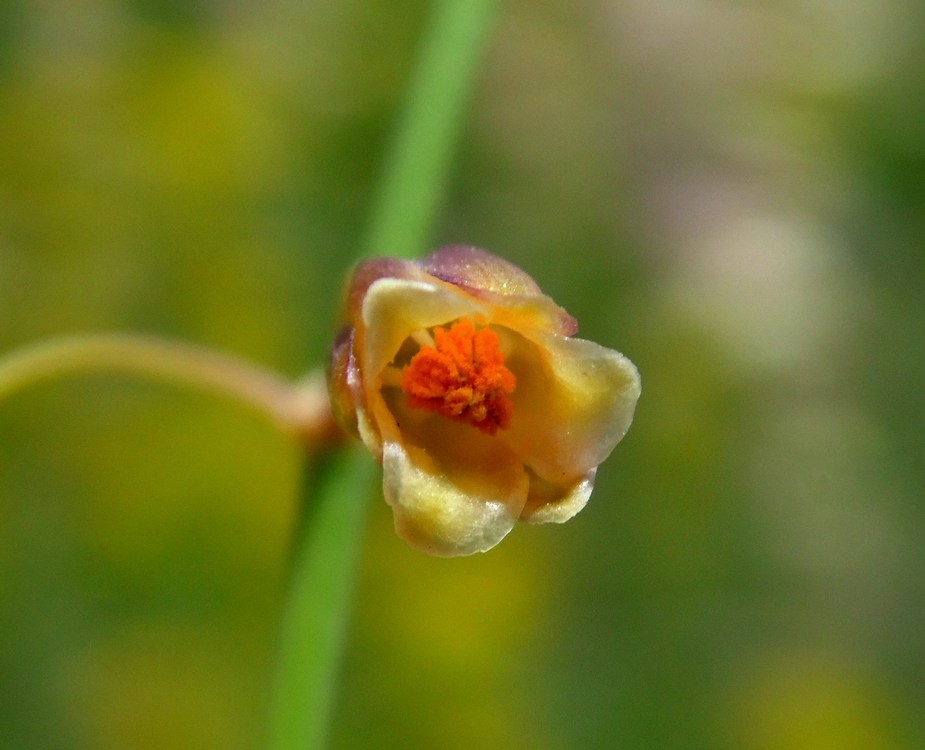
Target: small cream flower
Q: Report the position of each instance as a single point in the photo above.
(462, 379)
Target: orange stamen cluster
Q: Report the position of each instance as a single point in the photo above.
(462, 377)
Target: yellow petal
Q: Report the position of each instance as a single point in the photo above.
(395, 308)
(452, 510)
(574, 402)
(366, 274)
(550, 503)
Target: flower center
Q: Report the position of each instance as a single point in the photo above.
(463, 377)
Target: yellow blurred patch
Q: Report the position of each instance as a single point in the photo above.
(795, 702)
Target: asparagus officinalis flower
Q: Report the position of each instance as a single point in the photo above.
(464, 380)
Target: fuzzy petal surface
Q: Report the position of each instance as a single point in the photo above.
(551, 503)
(451, 511)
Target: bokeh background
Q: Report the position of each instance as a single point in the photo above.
(732, 193)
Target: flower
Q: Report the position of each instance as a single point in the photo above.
(462, 378)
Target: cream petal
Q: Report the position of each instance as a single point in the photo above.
(369, 430)
(394, 308)
(573, 403)
(549, 503)
(449, 512)
(367, 273)
(522, 313)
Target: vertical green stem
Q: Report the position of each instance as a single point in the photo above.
(418, 164)
(328, 545)
(314, 628)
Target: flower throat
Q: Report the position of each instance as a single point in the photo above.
(463, 377)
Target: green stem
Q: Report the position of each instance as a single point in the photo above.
(300, 409)
(314, 625)
(418, 164)
(416, 172)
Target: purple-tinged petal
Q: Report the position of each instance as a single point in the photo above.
(500, 283)
(479, 271)
(344, 384)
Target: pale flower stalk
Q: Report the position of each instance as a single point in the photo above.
(300, 408)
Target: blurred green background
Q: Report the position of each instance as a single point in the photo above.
(731, 193)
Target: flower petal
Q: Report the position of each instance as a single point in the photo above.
(366, 274)
(479, 271)
(344, 383)
(450, 511)
(550, 503)
(395, 308)
(574, 402)
(500, 283)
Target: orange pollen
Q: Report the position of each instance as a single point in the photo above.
(462, 377)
